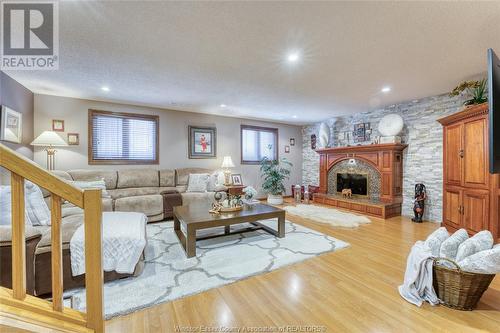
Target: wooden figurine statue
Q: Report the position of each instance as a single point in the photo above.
(347, 193)
(419, 203)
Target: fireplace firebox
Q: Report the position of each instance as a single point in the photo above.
(357, 183)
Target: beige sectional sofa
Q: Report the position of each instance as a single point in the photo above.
(129, 190)
(139, 190)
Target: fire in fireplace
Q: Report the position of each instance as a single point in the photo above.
(358, 183)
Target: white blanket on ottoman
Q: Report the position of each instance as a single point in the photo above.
(123, 241)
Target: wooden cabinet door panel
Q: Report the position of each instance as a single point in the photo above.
(475, 163)
(323, 181)
(452, 160)
(476, 210)
(452, 204)
(386, 184)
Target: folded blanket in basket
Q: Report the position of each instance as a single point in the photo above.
(417, 286)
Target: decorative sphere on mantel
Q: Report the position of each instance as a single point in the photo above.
(324, 135)
(391, 125)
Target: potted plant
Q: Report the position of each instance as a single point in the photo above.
(475, 89)
(274, 173)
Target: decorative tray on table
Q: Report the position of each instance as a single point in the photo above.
(231, 209)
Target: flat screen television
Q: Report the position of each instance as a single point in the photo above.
(494, 106)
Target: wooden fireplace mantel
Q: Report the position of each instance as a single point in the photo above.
(387, 159)
(365, 148)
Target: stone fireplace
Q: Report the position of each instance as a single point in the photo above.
(375, 169)
(356, 174)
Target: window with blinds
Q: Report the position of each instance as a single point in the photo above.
(122, 138)
(257, 143)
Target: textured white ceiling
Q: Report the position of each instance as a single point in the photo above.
(194, 56)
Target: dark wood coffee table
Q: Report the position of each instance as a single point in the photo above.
(197, 217)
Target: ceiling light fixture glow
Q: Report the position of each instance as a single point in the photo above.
(223, 105)
(105, 88)
(294, 116)
(386, 89)
(293, 57)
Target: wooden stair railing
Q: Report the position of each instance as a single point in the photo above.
(22, 168)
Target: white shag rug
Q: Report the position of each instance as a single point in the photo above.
(330, 216)
(169, 275)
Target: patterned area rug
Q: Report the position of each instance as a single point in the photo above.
(169, 275)
(331, 216)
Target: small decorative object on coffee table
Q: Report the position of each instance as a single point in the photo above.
(419, 203)
(250, 196)
(226, 202)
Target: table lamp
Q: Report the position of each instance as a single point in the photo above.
(227, 164)
(49, 140)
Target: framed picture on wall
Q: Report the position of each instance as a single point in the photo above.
(73, 139)
(11, 125)
(57, 125)
(287, 149)
(202, 142)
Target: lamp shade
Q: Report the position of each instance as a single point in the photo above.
(50, 139)
(227, 162)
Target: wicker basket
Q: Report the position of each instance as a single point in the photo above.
(458, 289)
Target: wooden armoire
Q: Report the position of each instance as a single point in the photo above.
(471, 195)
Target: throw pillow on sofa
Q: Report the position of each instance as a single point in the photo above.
(198, 182)
(36, 210)
(216, 179)
(85, 185)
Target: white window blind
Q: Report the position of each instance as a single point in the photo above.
(124, 137)
(257, 143)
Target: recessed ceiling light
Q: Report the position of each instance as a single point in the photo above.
(223, 105)
(294, 117)
(293, 57)
(386, 89)
(105, 88)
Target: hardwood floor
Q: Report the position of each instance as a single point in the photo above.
(350, 290)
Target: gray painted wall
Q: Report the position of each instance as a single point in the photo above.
(173, 137)
(422, 160)
(20, 99)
